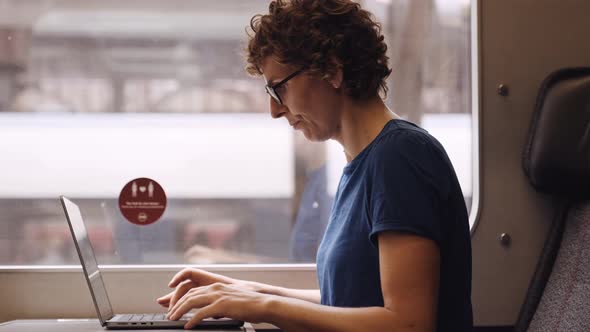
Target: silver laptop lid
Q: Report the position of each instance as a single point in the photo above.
(88, 260)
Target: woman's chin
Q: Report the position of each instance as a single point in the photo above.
(310, 136)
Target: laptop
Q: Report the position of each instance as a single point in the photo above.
(107, 318)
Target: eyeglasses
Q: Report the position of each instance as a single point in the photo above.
(272, 90)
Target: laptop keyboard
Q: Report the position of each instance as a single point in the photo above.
(149, 317)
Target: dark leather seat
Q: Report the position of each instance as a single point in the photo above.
(557, 162)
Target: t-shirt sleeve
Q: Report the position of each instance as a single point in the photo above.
(408, 183)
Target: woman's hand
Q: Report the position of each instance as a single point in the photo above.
(188, 279)
(221, 300)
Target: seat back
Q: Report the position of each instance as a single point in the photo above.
(557, 162)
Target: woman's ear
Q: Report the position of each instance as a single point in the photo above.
(336, 79)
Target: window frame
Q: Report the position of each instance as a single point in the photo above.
(474, 215)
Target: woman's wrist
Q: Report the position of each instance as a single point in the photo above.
(273, 305)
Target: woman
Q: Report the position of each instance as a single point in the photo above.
(396, 255)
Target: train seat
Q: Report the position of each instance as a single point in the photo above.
(556, 160)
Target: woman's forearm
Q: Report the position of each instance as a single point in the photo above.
(293, 315)
(309, 295)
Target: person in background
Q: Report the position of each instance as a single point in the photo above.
(312, 217)
(396, 253)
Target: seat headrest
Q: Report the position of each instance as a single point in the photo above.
(556, 158)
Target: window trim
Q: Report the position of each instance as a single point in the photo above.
(162, 268)
(476, 125)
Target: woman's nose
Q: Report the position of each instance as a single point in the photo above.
(276, 110)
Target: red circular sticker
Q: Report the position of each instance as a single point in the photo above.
(142, 201)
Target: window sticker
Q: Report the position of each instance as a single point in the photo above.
(142, 201)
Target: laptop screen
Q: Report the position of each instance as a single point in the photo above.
(88, 260)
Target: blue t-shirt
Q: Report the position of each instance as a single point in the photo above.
(402, 181)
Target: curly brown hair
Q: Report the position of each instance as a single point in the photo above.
(321, 36)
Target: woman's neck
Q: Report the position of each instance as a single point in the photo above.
(361, 122)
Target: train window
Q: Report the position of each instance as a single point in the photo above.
(96, 93)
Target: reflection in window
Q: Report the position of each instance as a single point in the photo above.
(157, 88)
